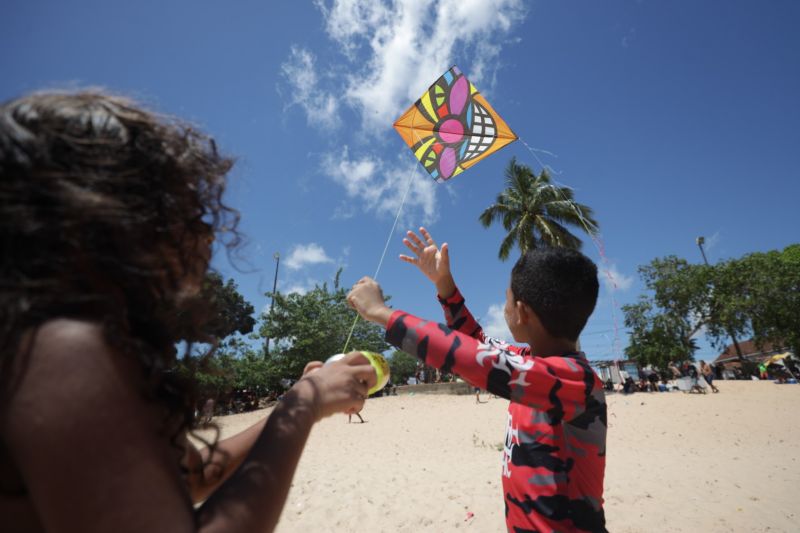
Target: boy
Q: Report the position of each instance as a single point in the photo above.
(554, 456)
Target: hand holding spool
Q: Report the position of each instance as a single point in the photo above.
(377, 361)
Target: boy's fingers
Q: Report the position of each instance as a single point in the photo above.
(417, 241)
(427, 236)
(411, 247)
(446, 254)
(408, 259)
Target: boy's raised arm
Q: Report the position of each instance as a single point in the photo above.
(490, 366)
(434, 263)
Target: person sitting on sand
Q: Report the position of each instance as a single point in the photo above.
(628, 386)
(695, 381)
(107, 218)
(554, 453)
(652, 380)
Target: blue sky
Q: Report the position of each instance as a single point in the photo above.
(671, 119)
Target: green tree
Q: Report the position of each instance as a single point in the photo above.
(657, 337)
(402, 366)
(227, 314)
(664, 324)
(232, 312)
(759, 295)
(536, 212)
(314, 326)
(756, 296)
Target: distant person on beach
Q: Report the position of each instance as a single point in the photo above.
(554, 453)
(708, 375)
(628, 386)
(107, 217)
(652, 378)
(695, 379)
(207, 412)
(358, 414)
(477, 394)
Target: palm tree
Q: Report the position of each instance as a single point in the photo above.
(536, 212)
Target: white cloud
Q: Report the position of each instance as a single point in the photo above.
(410, 43)
(391, 51)
(298, 288)
(306, 254)
(321, 107)
(614, 280)
(494, 323)
(374, 187)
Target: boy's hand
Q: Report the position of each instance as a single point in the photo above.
(338, 387)
(431, 261)
(366, 297)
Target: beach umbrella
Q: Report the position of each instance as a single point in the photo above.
(776, 358)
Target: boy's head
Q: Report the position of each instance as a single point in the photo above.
(560, 286)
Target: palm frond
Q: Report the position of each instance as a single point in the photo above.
(507, 245)
(492, 213)
(535, 211)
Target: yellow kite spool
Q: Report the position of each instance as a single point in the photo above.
(377, 361)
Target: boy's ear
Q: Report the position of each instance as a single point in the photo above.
(524, 312)
(528, 316)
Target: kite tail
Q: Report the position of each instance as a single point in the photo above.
(594, 234)
(410, 180)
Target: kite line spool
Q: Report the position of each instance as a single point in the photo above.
(377, 361)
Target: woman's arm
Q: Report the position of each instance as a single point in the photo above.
(206, 474)
(93, 457)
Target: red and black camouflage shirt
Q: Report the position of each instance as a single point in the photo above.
(555, 446)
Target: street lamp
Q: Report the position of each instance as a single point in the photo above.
(700, 242)
(277, 257)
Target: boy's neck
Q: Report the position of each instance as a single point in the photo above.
(546, 345)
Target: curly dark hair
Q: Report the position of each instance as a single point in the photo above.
(561, 287)
(106, 210)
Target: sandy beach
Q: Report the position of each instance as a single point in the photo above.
(676, 462)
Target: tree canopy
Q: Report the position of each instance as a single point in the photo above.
(314, 326)
(232, 313)
(756, 296)
(403, 366)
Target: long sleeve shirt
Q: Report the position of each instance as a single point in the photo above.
(554, 452)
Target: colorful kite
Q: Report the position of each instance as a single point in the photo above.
(452, 127)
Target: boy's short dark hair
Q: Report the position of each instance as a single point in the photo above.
(560, 285)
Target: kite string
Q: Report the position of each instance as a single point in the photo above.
(598, 243)
(410, 180)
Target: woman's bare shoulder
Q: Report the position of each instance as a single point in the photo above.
(79, 428)
(64, 366)
(64, 335)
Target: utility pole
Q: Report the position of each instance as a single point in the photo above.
(700, 242)
(277, 257)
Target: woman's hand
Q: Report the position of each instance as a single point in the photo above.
(338, 387)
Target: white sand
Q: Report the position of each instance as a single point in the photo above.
(676, 462)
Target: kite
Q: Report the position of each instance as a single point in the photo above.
(452, 127)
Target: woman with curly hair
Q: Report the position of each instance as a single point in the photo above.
(107, 217)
